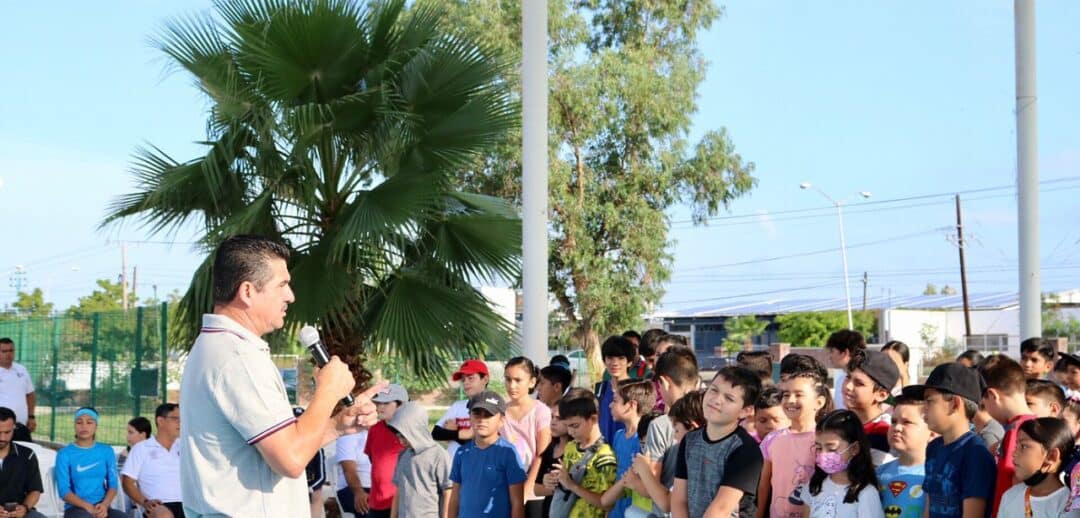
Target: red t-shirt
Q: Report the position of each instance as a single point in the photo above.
(1006, 470)
(382, 448)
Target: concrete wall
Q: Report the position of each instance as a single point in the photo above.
(906, 325)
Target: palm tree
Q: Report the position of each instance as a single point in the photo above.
(337, 128)
(741, 331)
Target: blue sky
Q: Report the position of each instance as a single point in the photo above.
(899, 99)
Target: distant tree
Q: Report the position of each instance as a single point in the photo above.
(741, 331)
(930, 289)
(32, 304)
(948, 290)
(108, 297)
(812, 329)
(625, 77)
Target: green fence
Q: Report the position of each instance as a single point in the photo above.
(117, 362)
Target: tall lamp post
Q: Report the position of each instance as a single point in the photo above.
(839, 204)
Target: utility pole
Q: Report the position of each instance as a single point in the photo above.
(1027, 171)
(865, 284)
(123, 277)
(963, 269)
(534, 181)
(134, 284)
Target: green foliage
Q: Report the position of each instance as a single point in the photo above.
(623, 78)
(108, 297)
(931, 289)
(741, 331)
(812, 329)
(339, 128)
(32, 304)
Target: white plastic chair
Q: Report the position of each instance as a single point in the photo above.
(49, 504)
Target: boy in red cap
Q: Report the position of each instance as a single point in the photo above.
(454, 426)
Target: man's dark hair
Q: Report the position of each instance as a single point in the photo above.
(557, 374)
(678, 364)
(758, 361)
(164, 409)
(1003, 374)
(141, 425)
(1047, 391)
(242, 259)
(846, 340)
(578, 403)
(972, 356)
(802, 365)
(647, 345)
(6, 414)
(770, 397)
(618, 347)
(1040, 347)
(631, 334)
(743, 378)
(6, 340)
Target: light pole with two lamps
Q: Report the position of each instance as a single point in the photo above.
(839, 204)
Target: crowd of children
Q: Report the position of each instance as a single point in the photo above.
(980, 437)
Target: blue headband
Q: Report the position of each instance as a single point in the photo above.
(86, 411)
(562, 365)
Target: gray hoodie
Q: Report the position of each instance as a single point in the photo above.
(423, 468)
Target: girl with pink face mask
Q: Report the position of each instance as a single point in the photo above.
(843, 484)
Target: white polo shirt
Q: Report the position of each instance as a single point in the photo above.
(156, 469)
(231, 397)
(15, 384)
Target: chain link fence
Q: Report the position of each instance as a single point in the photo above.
(121, 363)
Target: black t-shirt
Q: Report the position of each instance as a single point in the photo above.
(547, 462)
(19, 474)
(733, 460)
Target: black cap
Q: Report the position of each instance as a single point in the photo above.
(489, 401)
(953, 378)
(880, 368)
(1071, 359)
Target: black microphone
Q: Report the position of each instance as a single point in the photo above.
(309, 337)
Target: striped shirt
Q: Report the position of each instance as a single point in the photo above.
(233, 397)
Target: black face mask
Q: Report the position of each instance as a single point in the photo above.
(1036, 478)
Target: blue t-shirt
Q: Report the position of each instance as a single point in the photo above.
(88, 472)
(625, 450)
(963, 469)
(901, 489)
(608, 425)
(485, 476)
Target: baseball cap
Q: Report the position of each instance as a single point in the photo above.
(880, 368)
(1071, 359)
(489, 401)
(471, 367)
(392, 392)
(953, 378)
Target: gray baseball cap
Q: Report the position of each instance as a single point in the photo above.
(392, 392)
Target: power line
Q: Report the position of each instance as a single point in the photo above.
(742, 295)
(814, 252)
(852, 207)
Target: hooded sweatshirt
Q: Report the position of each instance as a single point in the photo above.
(423, 468)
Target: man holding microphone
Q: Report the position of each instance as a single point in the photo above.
(243, 453)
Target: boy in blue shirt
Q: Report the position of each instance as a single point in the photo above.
(960, 472)
(618, 353)
(487, 475)
(900, 482)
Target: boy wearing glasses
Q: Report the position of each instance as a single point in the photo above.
(960, 471)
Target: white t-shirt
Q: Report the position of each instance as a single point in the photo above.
(15, 384)
(1049, 506)
(829, 503)
(459, 413)
(351, 447)
(156, 469)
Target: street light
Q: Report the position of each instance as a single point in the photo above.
(843, 242)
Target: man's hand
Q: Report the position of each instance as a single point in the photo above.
(335, 378)
(31, 423)
(20, 511)
(360, 501)
(150, 505)
(362, 414)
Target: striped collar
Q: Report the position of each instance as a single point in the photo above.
(221, 324)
